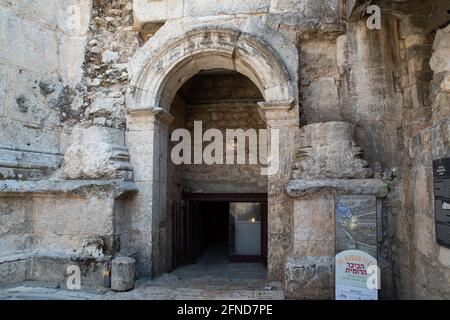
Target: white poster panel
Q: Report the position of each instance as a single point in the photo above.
(353, 277)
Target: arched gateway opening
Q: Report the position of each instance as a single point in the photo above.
(260, 95)
(216, 222)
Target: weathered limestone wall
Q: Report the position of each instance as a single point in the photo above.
(320, 80)
(54, 223)
(96, 144)
(422, 266)
(369, 94)
(112, 41)
(353, 77)
(16, 227)
(42, 100)
(225, 178)
(65, 77)
(43, 45)
(307, 13)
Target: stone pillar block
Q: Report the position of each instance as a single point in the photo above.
(328, 163)
(281, 116)
(147, 140)
(309, 272)
(122, 274)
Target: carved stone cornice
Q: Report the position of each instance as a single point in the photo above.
(304, 188)
(146, 118)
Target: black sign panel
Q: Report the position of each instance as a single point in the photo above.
(441, 168)
(441, 174)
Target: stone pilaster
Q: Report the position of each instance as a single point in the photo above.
(146, 138)
(281, 116)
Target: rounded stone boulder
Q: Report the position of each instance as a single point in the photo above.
(123, 273)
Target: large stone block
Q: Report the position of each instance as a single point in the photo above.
(321, 100)
(27, 44)
(97, 152)
(15, 225)
(13, 271)
(27, 152)
(156, 11)
(202, 8)
(55, 270)
(309, 278)
(71, 58)
(71, 16)
(439, 61)
(141, 145)
(309, 15)
(137, 228)
(52, 42)
(90, 219)
(27, 102)
(314, 226)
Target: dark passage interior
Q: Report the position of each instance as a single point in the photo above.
(213, 228)
(214, 234)
(219, 240)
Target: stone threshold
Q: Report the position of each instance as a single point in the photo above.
(37, 291)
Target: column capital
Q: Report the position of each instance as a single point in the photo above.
(278, 113)
(146, 118)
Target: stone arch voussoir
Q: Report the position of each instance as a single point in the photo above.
(165, 63)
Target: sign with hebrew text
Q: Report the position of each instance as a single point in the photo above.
(354, 272)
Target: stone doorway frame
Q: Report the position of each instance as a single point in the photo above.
(158, 70)
(237, 197)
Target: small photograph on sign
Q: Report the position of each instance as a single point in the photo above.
(352, 293)
(356, 223)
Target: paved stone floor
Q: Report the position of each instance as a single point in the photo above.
(212, 277)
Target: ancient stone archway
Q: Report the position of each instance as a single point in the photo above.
(161, 68)
(158, 70)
